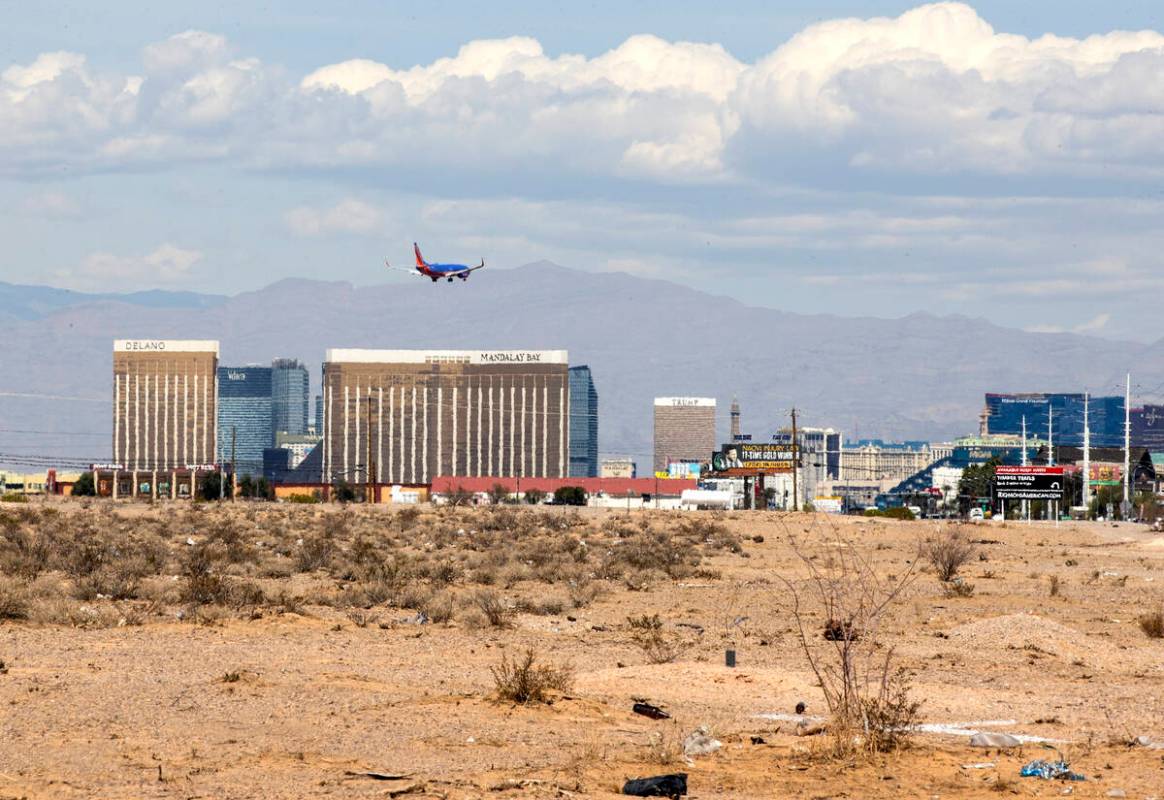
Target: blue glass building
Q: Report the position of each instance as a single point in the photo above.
(583, 424)
(289, 396)
(244, 412)
(1005, 413)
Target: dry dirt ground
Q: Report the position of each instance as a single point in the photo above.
(153, 697)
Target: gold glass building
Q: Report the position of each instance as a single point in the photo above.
(407, 416)
(164, 403)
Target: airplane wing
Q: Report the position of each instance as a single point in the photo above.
(464, 273)
(402, 269)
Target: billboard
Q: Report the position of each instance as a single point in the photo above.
(745, 458)
(1028, 483)
(682, 469)
(1104, 474)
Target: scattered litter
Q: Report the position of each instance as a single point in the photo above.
(806, 728)
(190, 541)
(700, 743)
(690, 625)
(996, 741)
(981, 765)
(1051, 770)
(420, 619)
(674, 785)
(837, 631)
(759, 740)
(800, 707)
(380, 776)
(648, 710)
(1116, 793)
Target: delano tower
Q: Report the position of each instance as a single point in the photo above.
(164, 403)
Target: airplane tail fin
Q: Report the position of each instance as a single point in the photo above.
(419, 258)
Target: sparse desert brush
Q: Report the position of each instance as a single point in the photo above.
(523, 680)
(439, 607)
(947, 554)
(492, 607)
(204, 583)
(1055, 585)
(14, 598)
(867, 695)
(958, 588)
(1152, 624)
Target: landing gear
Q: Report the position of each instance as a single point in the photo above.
(450, 280)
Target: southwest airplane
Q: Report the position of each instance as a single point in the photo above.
(437, 271)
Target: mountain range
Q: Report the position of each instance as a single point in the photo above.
(919, 377)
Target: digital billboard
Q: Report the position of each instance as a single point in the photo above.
(744, 458)
(1028, 483)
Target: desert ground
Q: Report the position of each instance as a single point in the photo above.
(280, 651)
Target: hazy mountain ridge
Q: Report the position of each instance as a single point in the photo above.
(921, 376)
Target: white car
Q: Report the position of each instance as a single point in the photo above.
(976, 515)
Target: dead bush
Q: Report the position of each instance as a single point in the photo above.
(958, 588)
(493, 607)
(314, 553)
(867, 697)
(524, 680)
(14, 599)
(659, 551)
(204, 584)
(439, 607)
(948, 554)
(657, 647)
(1152, 624)
(1054, 585)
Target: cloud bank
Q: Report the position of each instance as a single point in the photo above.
(932, 92)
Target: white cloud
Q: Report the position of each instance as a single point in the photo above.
(51, 204)
(167, 265)
(933, 91)
(348, 216)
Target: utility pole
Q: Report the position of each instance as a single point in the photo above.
(233, 469)
(1086, 455)
(1127, 445)
(1050, 450)
(1026, 509)
(795, 463)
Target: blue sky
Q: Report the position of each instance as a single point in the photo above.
(858, 158)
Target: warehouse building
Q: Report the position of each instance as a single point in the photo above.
(684, 430)
(407, 416)
(164, 403)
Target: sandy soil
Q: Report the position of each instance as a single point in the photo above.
(315, 700)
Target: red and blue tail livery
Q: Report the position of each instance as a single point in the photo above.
(435, 272)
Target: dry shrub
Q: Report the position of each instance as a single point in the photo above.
(948, 554)
(867, 697)
(493, 607)
(439, 607)
(658, 551)
(958, 588)
(22, 552)
(524, 680)
(315, 553)
(1055, 585)
(14, 598)
(1152, 624)
(204, 584)
(658, 647)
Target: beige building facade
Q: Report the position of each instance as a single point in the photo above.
(164, 403)
(684, 430)
(407, 416)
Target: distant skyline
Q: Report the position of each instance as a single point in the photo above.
(998, 160)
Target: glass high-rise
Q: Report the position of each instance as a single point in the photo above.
(1061, 411)
(583, 424)
(289, 396)
(244, 417)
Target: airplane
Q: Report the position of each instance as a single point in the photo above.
(437, 271)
